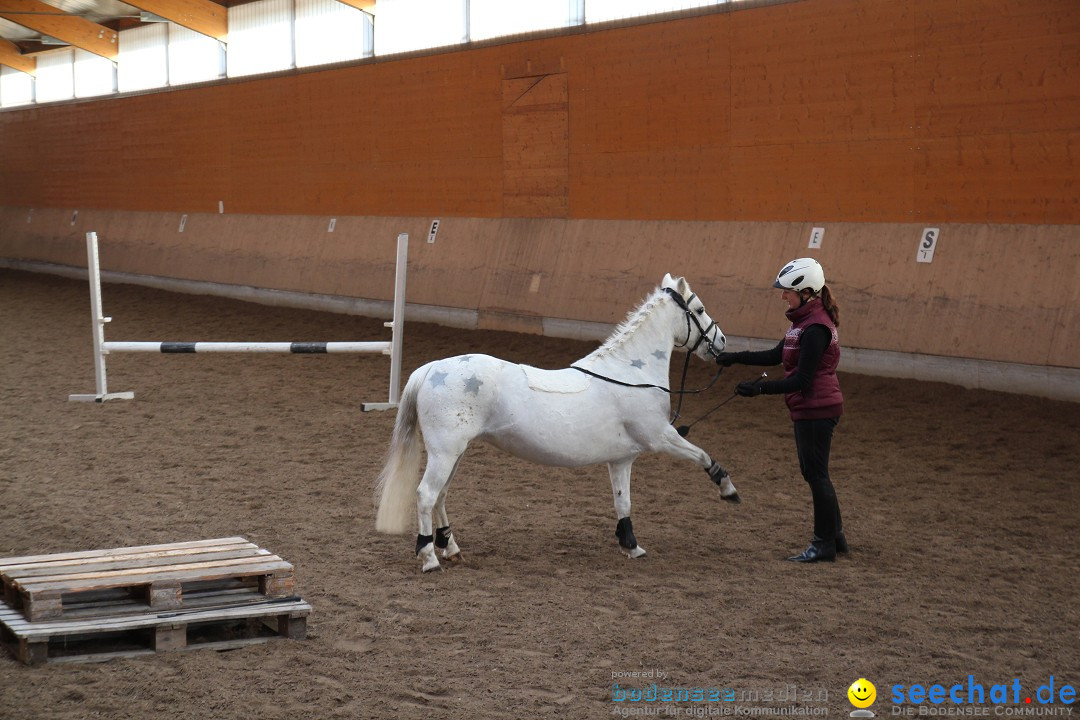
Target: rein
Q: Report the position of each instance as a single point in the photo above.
(684, 430)
(681, 392)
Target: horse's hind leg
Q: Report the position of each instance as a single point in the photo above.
(440, 467)
(444, 538)
(620, 489)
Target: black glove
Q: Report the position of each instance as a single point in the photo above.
(727, 359)
(750, 388)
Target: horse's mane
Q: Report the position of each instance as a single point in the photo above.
(633, 321)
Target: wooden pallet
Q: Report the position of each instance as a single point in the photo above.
(102, 638)
(135, 579)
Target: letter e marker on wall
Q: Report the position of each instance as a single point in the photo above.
(433, 232)
(816, 236)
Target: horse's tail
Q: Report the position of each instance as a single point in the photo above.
(397, 483)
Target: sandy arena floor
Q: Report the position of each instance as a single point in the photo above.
(960, 506)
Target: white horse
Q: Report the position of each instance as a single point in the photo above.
(609, 407)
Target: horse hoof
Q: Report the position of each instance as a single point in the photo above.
(732, 498)
(429, 559)
(454, 559)
(634, 553)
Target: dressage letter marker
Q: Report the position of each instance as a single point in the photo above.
(927, 243)
(816, 236)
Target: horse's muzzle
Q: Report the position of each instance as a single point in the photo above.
(717, 343)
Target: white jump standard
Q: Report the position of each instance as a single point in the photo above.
(103, 347)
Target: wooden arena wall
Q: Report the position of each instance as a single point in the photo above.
(570, 170)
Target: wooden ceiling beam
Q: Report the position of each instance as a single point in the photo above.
(73, 30)
(10, 56)
(202, 16)
(365, 5)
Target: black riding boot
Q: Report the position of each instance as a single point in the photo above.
(819, 551)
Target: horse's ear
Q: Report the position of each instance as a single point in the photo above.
(675, 283)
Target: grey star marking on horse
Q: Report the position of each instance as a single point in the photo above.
(437, 379)
(473, 385)
(660, 355)
(465, 358)
(638, 364)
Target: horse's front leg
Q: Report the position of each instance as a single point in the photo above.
(672, 443)
(620, 489)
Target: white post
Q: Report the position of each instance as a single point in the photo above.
(97, 328)
(397, 327)
(397, 335)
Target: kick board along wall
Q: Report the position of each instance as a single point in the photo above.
(569, 171)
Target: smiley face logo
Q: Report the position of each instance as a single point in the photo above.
(862, 693)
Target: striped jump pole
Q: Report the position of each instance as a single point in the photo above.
(103, 347)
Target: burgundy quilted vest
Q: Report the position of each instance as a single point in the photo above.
(823, 399)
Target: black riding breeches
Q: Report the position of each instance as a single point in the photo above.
(813, 440)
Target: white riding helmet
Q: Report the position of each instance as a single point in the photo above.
(801, 274)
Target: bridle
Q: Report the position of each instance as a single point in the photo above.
(691, 316)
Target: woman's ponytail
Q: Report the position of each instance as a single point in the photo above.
(830, 305)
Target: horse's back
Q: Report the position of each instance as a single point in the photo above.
(566, 381)
(478, 379)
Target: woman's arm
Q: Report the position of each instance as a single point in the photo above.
(759, 357)
(812, 346)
